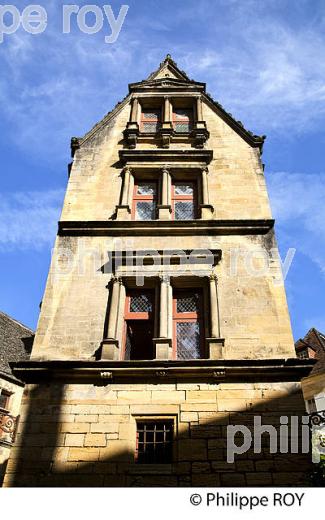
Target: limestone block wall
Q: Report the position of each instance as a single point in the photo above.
(236, 180)
(253, 309)
(84, 435)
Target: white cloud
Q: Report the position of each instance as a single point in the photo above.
(28, 220)
(267, 74)
(297, 202)
(271, 76)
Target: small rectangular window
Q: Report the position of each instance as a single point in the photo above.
(150, 120)
(154, 443)
(144, 201)
(182, 120)
(184, 200)
(311, 405)
(4, 399)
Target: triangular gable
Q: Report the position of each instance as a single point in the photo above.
(168, 69)
(169, 75)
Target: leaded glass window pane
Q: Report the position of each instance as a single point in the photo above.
(189, 303)
(154, 114)
(150, 121)
(184, 210)
(140, 303)
(182, 119)
(150, 128)
(146, 210)
(184, 189)
(146, 189)
(188, 340)
(182, 127)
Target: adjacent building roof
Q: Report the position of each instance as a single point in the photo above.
(314, 344)
(16, 342)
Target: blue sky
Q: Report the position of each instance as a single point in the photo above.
(263, 61)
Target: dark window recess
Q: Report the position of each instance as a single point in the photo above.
(154, 442)
(139, 336)
(4, 399)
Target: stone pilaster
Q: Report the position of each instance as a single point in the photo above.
(123, 210)
(167, 127)
(215, 342)
(163, 344)
(110, 344)
(131, 132)
(165, 209)
(206, 207)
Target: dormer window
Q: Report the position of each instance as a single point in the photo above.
(182, 120)
(150, 120)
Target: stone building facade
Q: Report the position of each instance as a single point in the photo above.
(164, 318)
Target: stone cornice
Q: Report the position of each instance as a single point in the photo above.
(165, 227)
(166, 156)
(103, 372)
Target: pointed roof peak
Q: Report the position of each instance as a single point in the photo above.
(168, 69)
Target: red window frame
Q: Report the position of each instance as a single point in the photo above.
(146, 119)
(176, 197)
(143, 198)
(188, 317)
(185, 119)
(130, 315)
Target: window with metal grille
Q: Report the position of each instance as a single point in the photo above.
(150, 120)
(303, 354)
(4, 399)
(188, 324)
(184, 200)
(144, 201)
(182, 120)
(140, 303)
(154, 443)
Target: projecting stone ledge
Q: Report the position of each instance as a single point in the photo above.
(226, 370)
(163, 227)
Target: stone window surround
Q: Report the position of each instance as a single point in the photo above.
(165, 175)
(111, 347)
(173, 418)
(166, 104)
(166, 129)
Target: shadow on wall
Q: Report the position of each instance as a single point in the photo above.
(49, 450)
